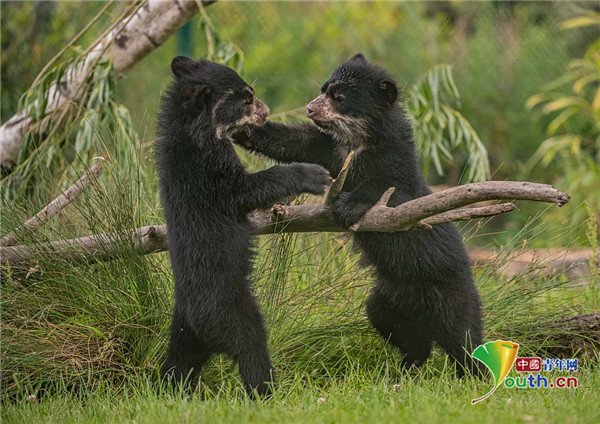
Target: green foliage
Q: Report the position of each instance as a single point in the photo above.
(439, 128)
(78, 321)
(76, 131)
(502, 53)
(574, 126)
(363, 396)
(573, 143)
(86, 340)
(219, 50)
(32, 32)
(593, 235)
(585, 18)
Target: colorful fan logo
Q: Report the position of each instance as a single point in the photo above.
(499, 357)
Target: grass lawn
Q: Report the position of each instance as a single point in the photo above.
(361, 397)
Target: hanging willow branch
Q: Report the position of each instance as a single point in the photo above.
(418, 214)
(125, 44)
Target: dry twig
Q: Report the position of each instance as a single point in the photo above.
(54, 207)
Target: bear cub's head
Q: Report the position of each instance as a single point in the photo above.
(214, 94)
(354, 100)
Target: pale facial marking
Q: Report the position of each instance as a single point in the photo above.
(256, 116)
(219, 103)
(345, 129)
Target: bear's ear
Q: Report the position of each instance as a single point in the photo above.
(389, 89)
(358, 58)
(182, 65)
(196, 95)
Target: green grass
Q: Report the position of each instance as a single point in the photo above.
(426, 396)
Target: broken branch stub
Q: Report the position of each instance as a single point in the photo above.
(336, 186)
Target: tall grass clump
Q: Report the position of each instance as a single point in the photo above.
(70, 323)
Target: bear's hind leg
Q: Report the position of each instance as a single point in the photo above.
(186, 355)
(246, 343)
(256, 371)
(460, 350)
(412, 337)
(462, 329)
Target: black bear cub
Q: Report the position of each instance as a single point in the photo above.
(423, 290)
(206, 195)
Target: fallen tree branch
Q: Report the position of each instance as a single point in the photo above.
(55, 206)
(98, 247)
(420, 213)
(577, 336)
(129, 42)
(384, 218)
(554, 255)
(466, 214)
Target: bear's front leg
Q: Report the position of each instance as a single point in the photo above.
(350, 206)
(348, 210)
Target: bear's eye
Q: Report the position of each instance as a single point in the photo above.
(338, 97)
(249, 100)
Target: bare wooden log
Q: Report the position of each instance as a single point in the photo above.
(440, 187)
(153, 239)
(95, 248)
(577, 336)
(307, 218)
(55, 206)
(576, 262)
(554, 255)
(126, 44)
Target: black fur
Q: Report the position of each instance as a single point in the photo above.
(206, 194)
(423, 290)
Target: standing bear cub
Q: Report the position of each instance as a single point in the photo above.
(423, 290)
(206, 195)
